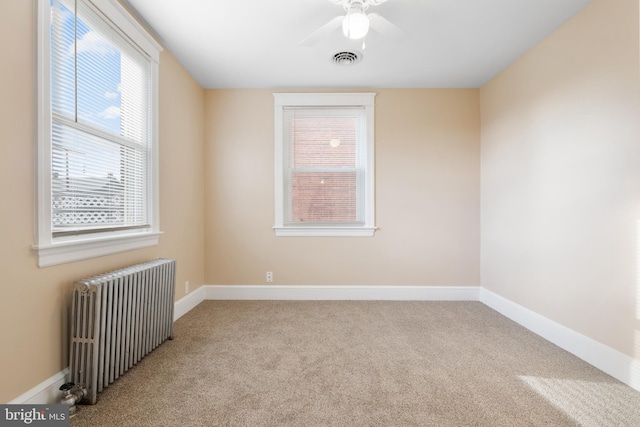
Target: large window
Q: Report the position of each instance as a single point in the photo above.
(324, 164)
(97, 144)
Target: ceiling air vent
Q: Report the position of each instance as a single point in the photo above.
(346, 58)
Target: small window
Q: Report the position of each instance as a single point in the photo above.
(324, 164)
(97, 140)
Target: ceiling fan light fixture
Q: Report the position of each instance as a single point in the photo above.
(356, 24)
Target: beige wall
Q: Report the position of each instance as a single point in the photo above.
(561, 177)
(33, 301)
(427, 196)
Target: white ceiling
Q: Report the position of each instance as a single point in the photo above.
(256, 43)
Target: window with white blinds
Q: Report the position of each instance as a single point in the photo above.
(98, 119)
(100, 105)
(324, 164)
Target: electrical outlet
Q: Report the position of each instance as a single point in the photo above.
(269, 276)
(186, 287)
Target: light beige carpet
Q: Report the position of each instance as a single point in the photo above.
(359, 363)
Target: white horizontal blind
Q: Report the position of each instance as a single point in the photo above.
(324, 165)
(101, 114)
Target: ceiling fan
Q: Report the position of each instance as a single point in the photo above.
(356, 23)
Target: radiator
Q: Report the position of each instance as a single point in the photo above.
(117, 318)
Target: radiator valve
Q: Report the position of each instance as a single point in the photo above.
(71, 395)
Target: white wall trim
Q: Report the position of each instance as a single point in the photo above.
(51, 250)
(188, 303)
(366, 144)
(620, 366)
(389, 293)
(63, 252)
(311, 231)
(45, 393)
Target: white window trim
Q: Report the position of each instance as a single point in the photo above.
(363, 99)
(48, 250)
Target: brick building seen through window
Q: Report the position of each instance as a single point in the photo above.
(324, 175)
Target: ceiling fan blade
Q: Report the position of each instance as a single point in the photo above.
(323, 31)
(387, 29)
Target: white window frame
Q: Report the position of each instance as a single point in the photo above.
(365, 100)
(59, 250)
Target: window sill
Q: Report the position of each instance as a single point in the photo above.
(324, 231)
(76, 250)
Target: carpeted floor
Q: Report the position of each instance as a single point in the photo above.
(359, 363)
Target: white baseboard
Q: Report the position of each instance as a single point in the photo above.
(188, 302)
(45, 393)
(620, 366)
(388, 293)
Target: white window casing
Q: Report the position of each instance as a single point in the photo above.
(324, 164)
(97, 146)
